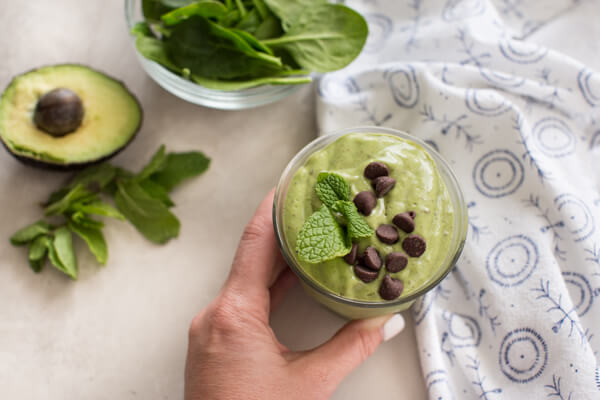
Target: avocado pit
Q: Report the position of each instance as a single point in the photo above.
(58, 112)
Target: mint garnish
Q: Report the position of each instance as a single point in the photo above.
(322, 237)
(356, 225)
(330, 188)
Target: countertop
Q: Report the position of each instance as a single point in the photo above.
(120, 331)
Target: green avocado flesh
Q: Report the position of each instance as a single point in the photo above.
(112, 116)
(419, 187)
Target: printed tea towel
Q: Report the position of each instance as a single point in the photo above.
(519, 316)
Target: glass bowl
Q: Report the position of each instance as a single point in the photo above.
(351, 308)
(194, 93)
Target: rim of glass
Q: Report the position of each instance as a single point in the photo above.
(460, 225)
(199, 94)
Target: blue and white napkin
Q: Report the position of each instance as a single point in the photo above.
(519, 316)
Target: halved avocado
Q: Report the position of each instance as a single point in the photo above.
(67, 116)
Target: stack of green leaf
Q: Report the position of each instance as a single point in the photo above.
(238, 44)
(142, 198)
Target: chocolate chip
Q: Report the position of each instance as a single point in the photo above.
(414, 245)
(396, 261)
(405, 222)
(376, 169)
(371, 258)
(383, 185)
(350, 258)
(387, 234)
(364, 274)
(390, 288)
(365, 202)
(412, 214)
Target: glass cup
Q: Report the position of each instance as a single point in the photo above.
(196, 94)
(351, 308)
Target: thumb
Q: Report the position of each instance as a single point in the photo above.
(348, 348)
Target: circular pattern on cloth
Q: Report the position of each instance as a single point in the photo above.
(522, 52)
(512, 260)
(455, 10)
(498, 173)
(464, 331)
(554, 137)
(589, 85)
(438, 385)
(580, 291)
(380, 28)
(403, 85)
(501, 79)
(486, 103)
(523, 355)
(577, 215)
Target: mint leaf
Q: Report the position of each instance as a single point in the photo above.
(98, 207)
(37, 252)
(100, 175)
(157, 163)
(94, 239)
(30, 232)
(150, 216)
(356, 225)
(157, 191)
(84, 220)
(331, 187)
(61, 252)
(77, 194)
(179, 167)
(321, 238)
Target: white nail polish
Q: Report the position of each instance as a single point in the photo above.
(393, 326)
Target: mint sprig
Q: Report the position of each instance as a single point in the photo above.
(142, 199)
(322, 237)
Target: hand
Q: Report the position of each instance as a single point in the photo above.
(233, 352)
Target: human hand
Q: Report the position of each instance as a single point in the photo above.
(233, 352)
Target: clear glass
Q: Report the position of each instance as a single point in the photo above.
(351, 308)
(194, 93)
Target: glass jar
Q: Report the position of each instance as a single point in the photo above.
(351, 308)
(194, 93)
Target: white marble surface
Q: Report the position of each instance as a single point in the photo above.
(120, 332)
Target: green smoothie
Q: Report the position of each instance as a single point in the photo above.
(419, 187)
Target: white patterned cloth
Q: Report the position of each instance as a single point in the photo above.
(519, 315)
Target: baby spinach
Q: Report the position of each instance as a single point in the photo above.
(324, 38)
(239, 44)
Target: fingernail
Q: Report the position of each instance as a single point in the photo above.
(392, 327)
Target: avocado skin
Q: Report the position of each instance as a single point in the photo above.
(50, 166)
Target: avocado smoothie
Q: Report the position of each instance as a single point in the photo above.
(419, 195)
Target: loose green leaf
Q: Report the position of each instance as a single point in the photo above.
(330, 188)
(204, 8)
(62, 247)
(98, 207)
(82, 219)
(157, 163)
(357, 227)
(30, 232)
(321, 238)
(150, 216)
(289, 11)
(94, 239)
(96, 175)
(179, 167)
(77, 194)
(157, 192)
(324, 38)
(37, 252)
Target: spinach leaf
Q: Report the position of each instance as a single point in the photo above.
(153, 9)
(324, 38)
(94, 239)
(289, 11)
(230, 19)
(155, 50)
(150, 216)
(240, 6)
(261, 7)
(250, 83)
(252, 41)
(203, 8)
(179, 167)
(269, 28)
(250, 22)
(61, 252)
(213, 51)
(30, 232)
